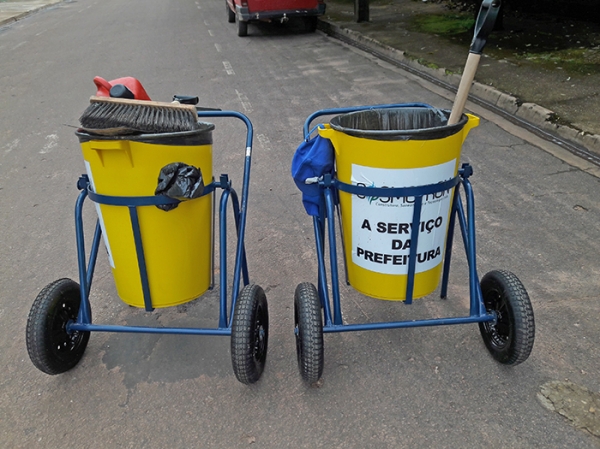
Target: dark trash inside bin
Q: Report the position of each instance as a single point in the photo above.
(414, 123)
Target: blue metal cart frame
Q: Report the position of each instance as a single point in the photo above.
(247, 369)
(486, 313)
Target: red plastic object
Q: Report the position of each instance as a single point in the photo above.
(131, 83)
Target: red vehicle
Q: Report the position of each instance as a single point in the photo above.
(273, 10)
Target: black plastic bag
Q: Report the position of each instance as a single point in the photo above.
(408, 122)
(179, 181)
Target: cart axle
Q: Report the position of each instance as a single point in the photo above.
(331, 328)
(145, 329)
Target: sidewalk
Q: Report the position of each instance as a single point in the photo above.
(557, 97)
(562, 105)
(13, 10)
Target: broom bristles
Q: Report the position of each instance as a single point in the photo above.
(142, 116)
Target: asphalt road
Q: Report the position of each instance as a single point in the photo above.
(537, 215)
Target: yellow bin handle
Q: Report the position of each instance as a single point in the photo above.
(100, 146)
(327, 132)
(473, 122)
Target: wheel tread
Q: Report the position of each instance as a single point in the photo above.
(524, 321)
(310, 332)
(246, 368)
(36, 335)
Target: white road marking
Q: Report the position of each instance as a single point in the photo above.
(228, 68)
(244, 100)
(264, 141)
(51, 142)
(11, 146)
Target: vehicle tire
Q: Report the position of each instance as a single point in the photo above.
(510, 338)
(242, 28)
(310, 23)
(250, 334)
(309, 332)
(51, 348)
(230, 13)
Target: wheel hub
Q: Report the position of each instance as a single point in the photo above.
(498, 329)
(65, 341)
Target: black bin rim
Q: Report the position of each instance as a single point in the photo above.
(437, 117)
(200, 136)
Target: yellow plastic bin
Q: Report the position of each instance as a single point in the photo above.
(177, 244)
(396, 147)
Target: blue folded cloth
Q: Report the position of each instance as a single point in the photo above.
(312, 159)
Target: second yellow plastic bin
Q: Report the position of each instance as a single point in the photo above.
(396, 147)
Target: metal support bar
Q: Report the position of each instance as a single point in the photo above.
(335, 288)
(449, 244)
(323, 290)
(339, 220)
(93, 257)
(407, 324)
(145, 330)
(223, 257)
(240, 252)
(141, 258)
(414, 244)
(236, 214)
(84, 314)
(477, 306)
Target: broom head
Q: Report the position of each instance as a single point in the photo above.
(106, 115)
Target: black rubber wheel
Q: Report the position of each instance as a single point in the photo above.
(250, 334)
(51, 348)
(309, 332)
(310, 23)
(510, 338)
(242, 28)
(230, 13)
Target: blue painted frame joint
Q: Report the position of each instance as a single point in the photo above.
(466, 170)
(224, 182)
(83, 182)
(141, 258)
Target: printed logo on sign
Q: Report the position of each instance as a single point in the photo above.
(382, 226)
(401, 201)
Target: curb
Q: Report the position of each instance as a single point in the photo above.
(533, 114)
(16, 18)
(24, 14)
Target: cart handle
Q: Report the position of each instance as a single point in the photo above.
(239, 256)
(239, 115)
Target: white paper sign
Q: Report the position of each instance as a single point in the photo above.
(88, 169)
(381, 226)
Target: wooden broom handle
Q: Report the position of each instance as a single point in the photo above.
(464, 87)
